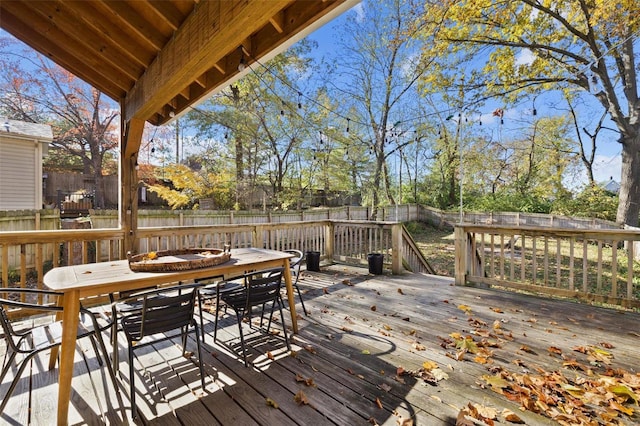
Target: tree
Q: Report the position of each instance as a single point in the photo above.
(84, 122)
(264, 122)
(377, 84)
(189, 186)
(513, 47)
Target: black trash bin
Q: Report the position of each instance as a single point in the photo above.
(375, 263)
(313, 261)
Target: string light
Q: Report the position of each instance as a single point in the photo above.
(242, 65)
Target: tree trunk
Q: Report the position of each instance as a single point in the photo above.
(629, 204)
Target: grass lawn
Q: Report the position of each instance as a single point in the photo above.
(437, 245)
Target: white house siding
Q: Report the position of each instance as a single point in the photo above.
(22, 146)
(19, 188)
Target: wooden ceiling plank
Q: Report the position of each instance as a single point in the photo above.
(107, 25)
(133, 21)
(197, 46)
(168, 12)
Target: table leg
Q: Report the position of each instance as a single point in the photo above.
(292, 304)
(70, 318)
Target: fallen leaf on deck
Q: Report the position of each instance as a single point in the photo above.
(497, 383)
(467, 344)
(527, 349)
(366, 352)
(310, 348)
(400, 291)
(379, 403)
(347, 281)
(387, 327)
(619, 407)
(498, 310)
(418, 346)
(429, 365)
(373, 308)
(465, 308)
(87, 272)
(511, 417)
(471, 416)
(486, 412)
(555, 350)
(325, 290)
(271, 403)
(625, 392)
(300, 398)
(606, 345)
(439, 374)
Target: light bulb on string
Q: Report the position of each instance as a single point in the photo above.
(348, 121)
(299, 103)
(242, 64)
(282, 110)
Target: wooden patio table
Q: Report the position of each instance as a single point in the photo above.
(94, 279)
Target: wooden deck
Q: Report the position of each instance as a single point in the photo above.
(359, 359)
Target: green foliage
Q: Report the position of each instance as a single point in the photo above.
(593, 201)
(189, 186)
(508, 202)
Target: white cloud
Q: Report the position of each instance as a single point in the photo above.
(525, 57)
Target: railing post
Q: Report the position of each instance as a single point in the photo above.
(461, 266)
(396, 248)
(258, 233)
(329, 240)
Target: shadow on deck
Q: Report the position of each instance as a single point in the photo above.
(360, 358)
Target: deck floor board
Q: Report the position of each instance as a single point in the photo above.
(360, 330)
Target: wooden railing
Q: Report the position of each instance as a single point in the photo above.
(590, 265)
(26, 256)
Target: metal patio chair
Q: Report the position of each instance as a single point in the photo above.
(27, 340)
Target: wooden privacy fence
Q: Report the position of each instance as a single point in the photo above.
(589, 265)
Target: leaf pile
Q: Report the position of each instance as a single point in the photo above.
(593, 394)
